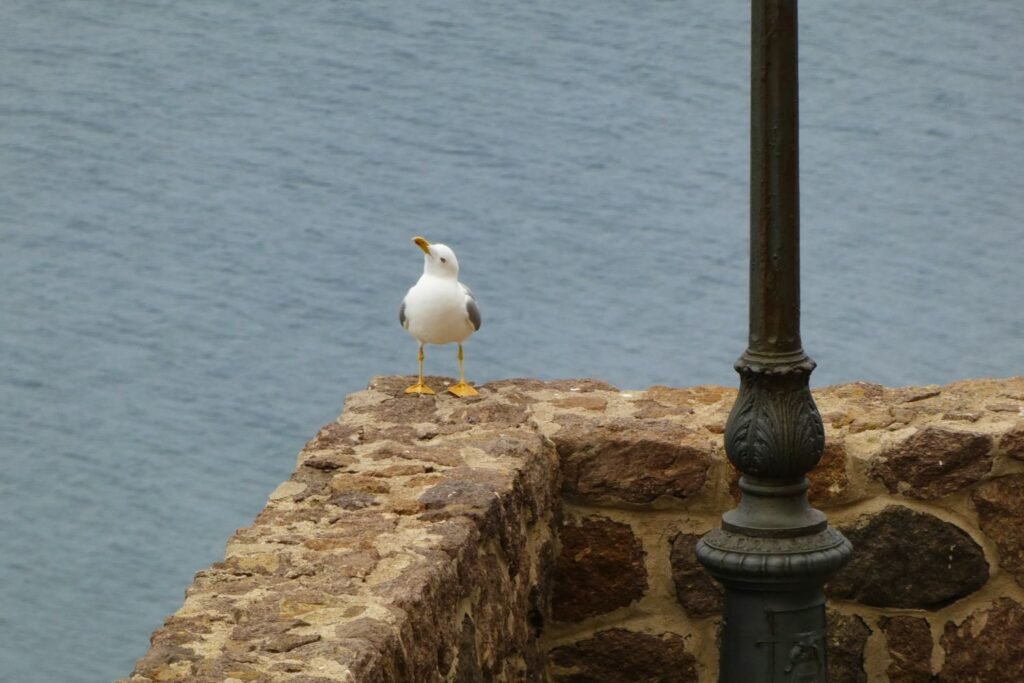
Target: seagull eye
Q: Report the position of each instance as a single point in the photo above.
(444, 260)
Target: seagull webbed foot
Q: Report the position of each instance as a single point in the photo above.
(419, 389)
(462, 390)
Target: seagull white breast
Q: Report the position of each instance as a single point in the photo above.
(439, 311)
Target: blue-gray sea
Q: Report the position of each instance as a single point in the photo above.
(206, 211)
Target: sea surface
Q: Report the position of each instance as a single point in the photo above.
(205, 221)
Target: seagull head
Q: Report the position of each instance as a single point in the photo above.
(438, 259)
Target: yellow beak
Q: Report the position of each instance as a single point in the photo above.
(422, 243)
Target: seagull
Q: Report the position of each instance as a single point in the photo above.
(439, 309)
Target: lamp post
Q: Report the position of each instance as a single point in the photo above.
(774, 552)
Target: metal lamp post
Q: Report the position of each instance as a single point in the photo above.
(774, 552)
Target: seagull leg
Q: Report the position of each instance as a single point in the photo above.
(420, 388)
(462, 389)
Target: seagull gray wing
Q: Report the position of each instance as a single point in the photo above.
(472, 310)
(401, 315)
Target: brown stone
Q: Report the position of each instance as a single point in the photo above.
(458, 493)
(999, 503)
(600, 568)
(493, 414)
(507, 444)
(620, 656)
(934, 462)
(165, 657)
(847, 637)
(443, 455)
(857, 390)
(286, 642)
(335, 435)
(909, 641)
(904, 558)
(829, 480)
(404, 409)
(629, 460)
(404, 434)
(468, 670)
(696, 591)
(646, 409)
(915, 394)
(398, 470)
(1012, 442)
(352, 500)
(702, 395)
(330, 461)
(987, 646)
(515, 384)
(358, 482)
(585, 401)
(580, 385)
(421, 480)
(467, 487)
(963, 415)
(871, 420)
(660, 401)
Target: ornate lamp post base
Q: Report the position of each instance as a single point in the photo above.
(774, 619)
(774, 552)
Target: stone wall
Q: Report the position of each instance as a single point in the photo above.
(545, 532)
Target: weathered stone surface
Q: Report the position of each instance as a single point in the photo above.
(696, 591)
(629, 460)
(1012, 442)
(1000, 503)
(467, 489)
(905, 558)
(363, 565)
(418, 538)
(909, 642)
(934, 462)
(620, 656)
(600, 568)
(661, 401)
(847, 637)
(336, 436)
(490, 413)
(584, 401)
(469, 670)
(829, 480)
(987, 646)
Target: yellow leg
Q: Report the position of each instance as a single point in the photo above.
(420, 388)
(462, 389)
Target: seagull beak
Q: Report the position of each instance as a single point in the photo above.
(423, 244)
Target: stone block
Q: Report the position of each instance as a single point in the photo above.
(1012, 442)
(829, 480)
(847, 637)
(987, 646)
(600, 568)
(934, 462)
(909, 643)
(626, 460)
(696, 591)
(999, 503)
(905, 558)
(620, 656)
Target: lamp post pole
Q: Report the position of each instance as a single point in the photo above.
(774, 552)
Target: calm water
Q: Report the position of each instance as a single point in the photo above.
(205, 212)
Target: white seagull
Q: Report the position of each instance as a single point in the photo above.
(439, 309)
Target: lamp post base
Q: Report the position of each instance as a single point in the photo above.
(774, 620)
